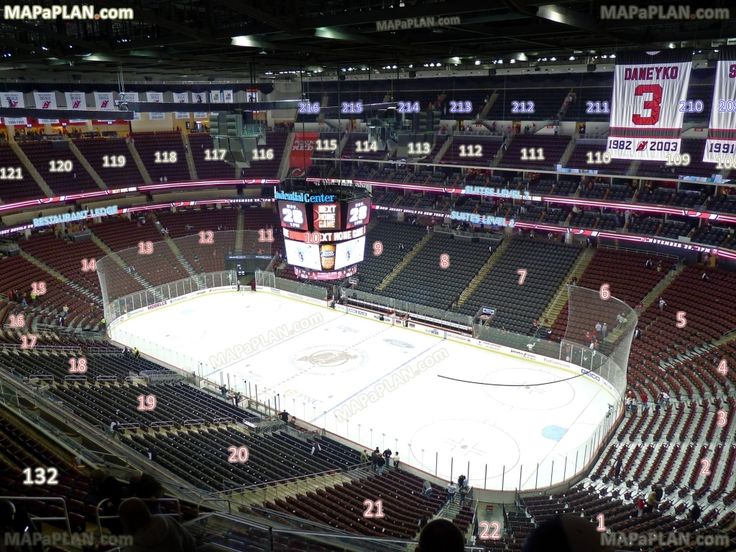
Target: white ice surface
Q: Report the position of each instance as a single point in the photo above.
(379, 385)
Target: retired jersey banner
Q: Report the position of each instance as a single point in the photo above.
(13, 99)
(45, 100)
(227, 96)
(302, 148)
(720, 147)
(76, 101)
(649, 89)
(199, 98)
(156, 97)
(181, 97)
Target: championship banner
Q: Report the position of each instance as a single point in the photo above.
(104, 101)
(301, 149)
(76, 101)
(156, 97)
(13, 99)
(45, 100)
(133, 97)
(227, 96)
(720, 146)
(215, 96)
(649, 91)
(181, 97)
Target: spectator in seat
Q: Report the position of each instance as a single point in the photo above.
(662, 304)
(396, 460)
(695, 512)
(153, 533)
(649, 263)
(426, 488)
(364, 459)
(640, 506)
(617, 468)
(440, 535)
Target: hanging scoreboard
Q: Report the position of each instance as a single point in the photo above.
(324, 233)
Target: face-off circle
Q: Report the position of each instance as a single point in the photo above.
(328, 361)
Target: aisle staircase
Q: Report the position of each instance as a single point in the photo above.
(190, 158)
(138, 161)
(87, 167)
(239, 231)
(483, 272)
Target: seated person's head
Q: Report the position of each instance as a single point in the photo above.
(565, 533)
(440, 535)
(134, 514)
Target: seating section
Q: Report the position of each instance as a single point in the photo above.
(200, 456)
(21, 449)
(163, 155)
(17, 274)
(628, 278)
(104, 154)
(439, 272)
(19, 184)
(472, 151)
(546, 263)
(342, 506)
(268, 168)
(66, 256)
(123, 237)
(590, 155)
(59, 167)
(376, 266)
(356, 148)
(524, 151)
(208, 166)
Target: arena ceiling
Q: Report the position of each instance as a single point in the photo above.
(229, 39)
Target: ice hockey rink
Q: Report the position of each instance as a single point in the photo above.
(381, 385)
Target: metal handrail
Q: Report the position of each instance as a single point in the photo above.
(33, 517)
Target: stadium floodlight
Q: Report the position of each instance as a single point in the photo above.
(245, 41)
(477, 62)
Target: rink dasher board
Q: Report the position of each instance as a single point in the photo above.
(412, 326)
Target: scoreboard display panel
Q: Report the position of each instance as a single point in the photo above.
(326, 216)
(305, 255)
(293, 215)
(359, 212)
(349, 252)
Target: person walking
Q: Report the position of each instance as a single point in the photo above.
(451, 492)
(380, 465)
